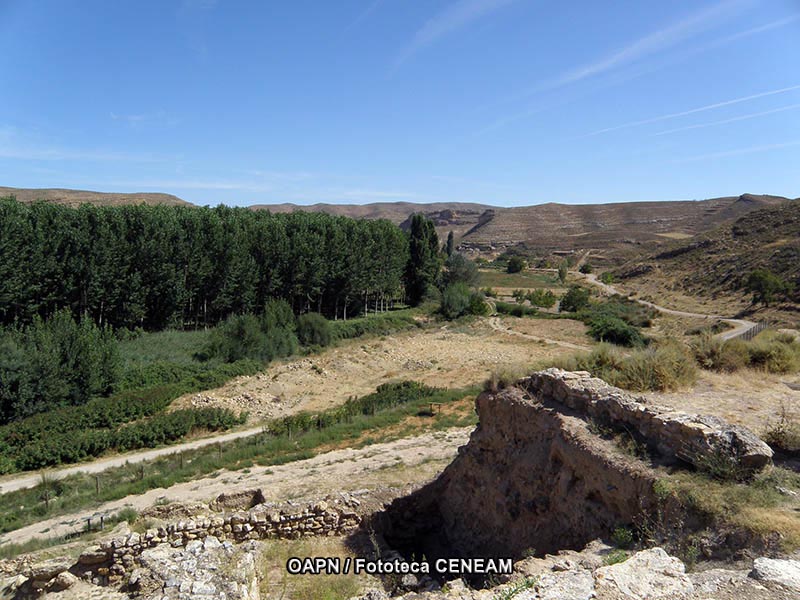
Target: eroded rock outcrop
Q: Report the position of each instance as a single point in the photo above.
(690, 437)
(535, 478)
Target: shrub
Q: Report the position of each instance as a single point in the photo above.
(784, 435)
(314, 330)
(662, 367)
(239, 336)
(717, 355)
(374, 325)
(774, 356)
(500, 380)
(585, 268)
(455, 300)
(515, 310)
(489, 292)
(515, 264)
(605, 328)
(519, 296)
(477, 304)
(543, 298)
(575, 299)
(458, 268)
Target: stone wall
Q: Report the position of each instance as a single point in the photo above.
(689, 437)
(535, 477)
(112, 559)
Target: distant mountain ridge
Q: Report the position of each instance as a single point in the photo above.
(548, 226)
(559, 226)
(78, 197)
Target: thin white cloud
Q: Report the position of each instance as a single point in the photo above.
(731, 120)
(64, 154)
(649, 44)
(459, 14)
(739, 151)
(373, 6)
(734, 37)
(693, 111)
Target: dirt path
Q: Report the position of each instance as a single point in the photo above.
(97, 466)
(448, 356)
(739, 325)
(412, 459)
(494, 323)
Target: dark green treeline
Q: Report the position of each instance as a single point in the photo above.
(156, 267)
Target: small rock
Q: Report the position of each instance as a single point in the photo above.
(783, 572)
(63, 581)
(45, 571)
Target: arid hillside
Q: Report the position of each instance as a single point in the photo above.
(78, 197)
(555, 226)
(714, 265)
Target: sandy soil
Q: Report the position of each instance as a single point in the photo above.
(750, 398)
(450, 356)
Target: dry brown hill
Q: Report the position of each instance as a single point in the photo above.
(569, 226)
(78, 197)
(559, 226)
(713, 266)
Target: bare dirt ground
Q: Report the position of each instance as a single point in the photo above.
(397, 463)
(751, 398)
(449, 356)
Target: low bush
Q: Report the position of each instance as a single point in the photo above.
(772, 352)
(314, 330)
(373, 325)
(515, 310)
(541, 297)
(458, 300)
(606, 328)
(386, 396)
(774, 355)
(662, 367)
(575, 299)
(718, 355)
(516, 264)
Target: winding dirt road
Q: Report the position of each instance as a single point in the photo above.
(739, 325)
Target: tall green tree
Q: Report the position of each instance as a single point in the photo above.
(450, 247)
(423, 263)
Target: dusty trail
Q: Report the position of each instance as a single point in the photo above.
(384, 464)
(494, 323)
(739, 325)
(32, 479)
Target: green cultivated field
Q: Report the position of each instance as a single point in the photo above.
(495, 278)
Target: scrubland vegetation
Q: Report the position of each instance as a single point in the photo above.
(293, 438)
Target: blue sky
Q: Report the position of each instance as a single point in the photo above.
(506, 102)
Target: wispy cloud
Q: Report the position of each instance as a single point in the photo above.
(731, 120)
(693, 110)
(459, 14)
(15, 145)
(373, 6)
(739, 151)
(140, 118)
(735, 37)
(649, 44)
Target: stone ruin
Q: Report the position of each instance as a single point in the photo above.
(534, 480)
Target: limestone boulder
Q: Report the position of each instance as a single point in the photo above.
(647, 575)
